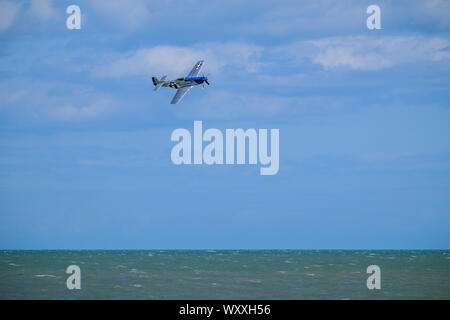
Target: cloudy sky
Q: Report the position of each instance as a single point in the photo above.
(363, 115)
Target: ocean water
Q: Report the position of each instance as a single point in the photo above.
(227, 274)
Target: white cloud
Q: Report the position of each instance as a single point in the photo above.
(353, 52)
(177, 61)
(294, 17)
(42, 10)
(332, 56)
(128, 14)
(224, 105)
(221, 104)
(320, 17)
(8, 13)
(38, 101)
(95, 109)
(368, 53)
(425, 14)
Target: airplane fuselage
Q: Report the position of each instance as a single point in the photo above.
(184, 82)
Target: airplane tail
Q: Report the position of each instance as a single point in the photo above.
(158, 83)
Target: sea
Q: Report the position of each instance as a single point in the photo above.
(225, 274)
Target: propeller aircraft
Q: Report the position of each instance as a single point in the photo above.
(183, 85)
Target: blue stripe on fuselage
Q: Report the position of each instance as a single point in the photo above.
(196, 78)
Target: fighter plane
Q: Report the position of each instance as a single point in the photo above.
(183, 85)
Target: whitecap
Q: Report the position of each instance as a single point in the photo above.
(254, 281)
(137, 285)
(44, 276)
(136, 271)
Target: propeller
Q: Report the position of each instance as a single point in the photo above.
(203, 84)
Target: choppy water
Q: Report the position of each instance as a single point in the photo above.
(228, 274)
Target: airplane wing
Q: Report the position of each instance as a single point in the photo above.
(180, 94)
(194, 72)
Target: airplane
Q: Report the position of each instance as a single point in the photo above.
(183, 85)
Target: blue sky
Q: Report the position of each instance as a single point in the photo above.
(363, 115)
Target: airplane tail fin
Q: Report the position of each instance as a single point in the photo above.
(158, 83)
